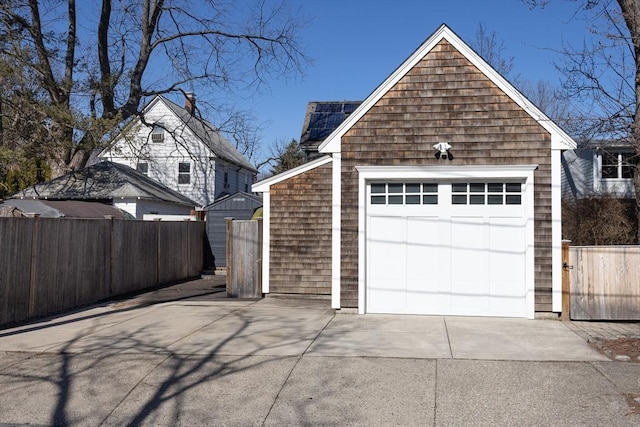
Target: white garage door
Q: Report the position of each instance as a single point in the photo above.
(448, 248)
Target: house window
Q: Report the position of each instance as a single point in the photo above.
(616, 166)
(157, 134)
(246, 183)
(143, 168)
(226, 180)
(184, 173)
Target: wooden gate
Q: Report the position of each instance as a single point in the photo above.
(604, 282)
(244, 258)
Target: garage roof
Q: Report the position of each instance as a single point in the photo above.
(559, 139)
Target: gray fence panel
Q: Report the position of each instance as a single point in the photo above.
(15, 268)
(71, 264)
(244, 259)
(173, 250)
(48, 265)
(134, 258)
(197, 239)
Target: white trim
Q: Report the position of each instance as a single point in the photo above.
(264, 185)
(445, 172)
(556, 231)
(266, 238)
(530, 264)
(559, 139)
(336, 196)
(367, 173)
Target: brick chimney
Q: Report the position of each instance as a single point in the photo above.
(190, 103)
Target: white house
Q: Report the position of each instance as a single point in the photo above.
(175, 147)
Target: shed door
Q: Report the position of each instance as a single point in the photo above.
(447, 248)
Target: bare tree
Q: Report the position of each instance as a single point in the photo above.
(91, 70)
(602, 76)
(550, 100)
(542, 93)
(492, 49)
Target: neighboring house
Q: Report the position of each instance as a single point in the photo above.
(239, 206)
(113, 184)
(182, 151)
(440, 194)
(598, 168)
(59, 209)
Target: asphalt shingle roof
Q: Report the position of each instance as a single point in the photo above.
(216, 142)
(104, 180)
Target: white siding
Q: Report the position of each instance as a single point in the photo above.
(238, 179)
(138, 208)
(154, 207)
(127, 206)
(180, 145)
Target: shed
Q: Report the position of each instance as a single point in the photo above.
(240, 205)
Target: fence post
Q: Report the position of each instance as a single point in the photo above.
(111, 254)
(229, 255)
(259, 262)
(158, 250)
(33, 276)
(566, 292)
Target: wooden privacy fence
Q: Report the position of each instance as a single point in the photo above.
(604, 282)
(244, 258)
(48, 265)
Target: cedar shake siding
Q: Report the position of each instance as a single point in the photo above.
(300, 245)
(443, 98)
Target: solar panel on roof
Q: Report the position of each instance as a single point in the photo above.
(319, 134)
(327, 117)
(329, 108)
(333, 120)
(322, 124)
(350, 107)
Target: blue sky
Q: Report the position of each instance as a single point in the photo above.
(356, 44)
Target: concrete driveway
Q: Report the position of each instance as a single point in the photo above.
(206, 360)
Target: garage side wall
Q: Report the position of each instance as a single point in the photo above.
(300, 240)
(446, 98)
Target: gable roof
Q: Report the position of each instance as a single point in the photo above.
(104, 181)
(559, 138)
(61, 208)
(262, 186)
(207, 134)
(253, 198)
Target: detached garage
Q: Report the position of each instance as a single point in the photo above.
(442, 191)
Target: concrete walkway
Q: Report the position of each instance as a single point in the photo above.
(202, 359)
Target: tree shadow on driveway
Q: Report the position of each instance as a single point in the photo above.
(223, 371)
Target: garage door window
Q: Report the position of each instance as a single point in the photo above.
(482, 193)
(410, 193)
